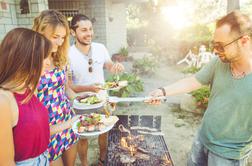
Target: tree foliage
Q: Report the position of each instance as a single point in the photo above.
(147, 26)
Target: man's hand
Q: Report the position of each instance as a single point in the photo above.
(117, 68)
(156, 93)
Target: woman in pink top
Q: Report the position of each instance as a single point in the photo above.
(24, 134)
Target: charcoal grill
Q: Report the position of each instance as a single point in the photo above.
(155, 145)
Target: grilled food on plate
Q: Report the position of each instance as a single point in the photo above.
(89, 123)
(88, 99)
(114, 85)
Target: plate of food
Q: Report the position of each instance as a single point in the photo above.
(93, 124)
(88, 101)
(114, 85)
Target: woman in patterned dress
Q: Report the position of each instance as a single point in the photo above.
(53, 87)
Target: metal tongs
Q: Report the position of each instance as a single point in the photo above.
(123, 129)
(114, 99)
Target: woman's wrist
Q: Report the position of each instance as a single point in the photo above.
(70, 123)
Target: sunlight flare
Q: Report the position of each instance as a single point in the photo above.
(176, 16)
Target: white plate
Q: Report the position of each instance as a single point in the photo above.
(115, 89)
(83, 106)
(108, 122)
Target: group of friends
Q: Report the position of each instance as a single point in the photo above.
(40, 73)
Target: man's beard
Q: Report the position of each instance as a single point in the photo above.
(232, 57)
(83, 43)
(228, 60)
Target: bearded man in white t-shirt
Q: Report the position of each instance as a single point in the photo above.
(87, 63)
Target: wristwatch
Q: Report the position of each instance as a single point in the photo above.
(163, 90)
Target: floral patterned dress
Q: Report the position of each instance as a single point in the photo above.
(51, 92)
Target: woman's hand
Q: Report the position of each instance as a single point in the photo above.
(71, 121)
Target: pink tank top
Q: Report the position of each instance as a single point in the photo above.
(31, 134)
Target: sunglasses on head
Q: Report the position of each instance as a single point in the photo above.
(90, 62)
(221, 48)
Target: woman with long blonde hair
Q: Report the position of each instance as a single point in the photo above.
(53, 87)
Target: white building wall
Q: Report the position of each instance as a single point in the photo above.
(109, 27)
(35, 6)
(116, 27)
(98, 12)
(11, 17)
(110, 23)
(8, 18)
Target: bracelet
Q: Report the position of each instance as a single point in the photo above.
(163, 90)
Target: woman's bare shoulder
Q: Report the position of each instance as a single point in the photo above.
(6, 97)
(8, 106)
(5, 111)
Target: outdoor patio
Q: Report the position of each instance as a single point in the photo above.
(179, 127)
(166, 49)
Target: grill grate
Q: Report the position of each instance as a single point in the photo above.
(154, 144)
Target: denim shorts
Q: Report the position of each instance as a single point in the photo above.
(201, 156)
(41, 160)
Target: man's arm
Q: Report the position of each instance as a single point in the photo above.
(83, 88)
(182, 86)
(113, 67)
(71, 88)
(108, 65)
(185, 85)
(203, 77)
(71, 94)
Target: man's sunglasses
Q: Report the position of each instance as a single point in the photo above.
(90, 62)
(221, 48)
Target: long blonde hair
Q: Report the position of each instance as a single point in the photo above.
(54, 18)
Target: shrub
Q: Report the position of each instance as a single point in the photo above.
(144, 66)
(201, 96)
(135, 85)
(191, 69)
(194, 36)
(124, 51)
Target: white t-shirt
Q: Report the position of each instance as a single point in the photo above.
(79, 65)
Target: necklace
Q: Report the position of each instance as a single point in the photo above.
(237, 75)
